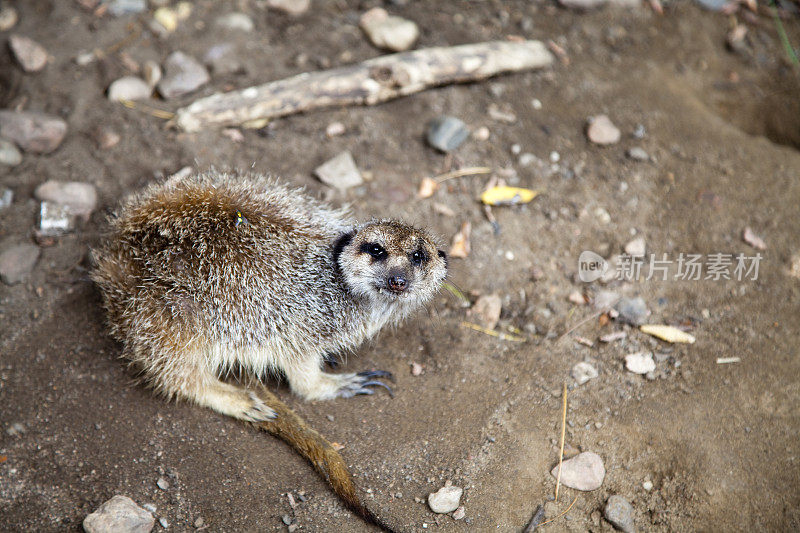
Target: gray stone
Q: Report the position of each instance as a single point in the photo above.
(80, 198)
(638, 154)
(632, 311)
(584, 472)
(235, 22)
(125, 7)
(162, 483)
(340, 172)
(222, 59)
(387, 31)
(120, 514)
(6, 197)
(9, 155)
(445, 500)
(619, 512)
(602, 131)
(129, 88)
(182, 75)
(290, 7)
(713, 5)
(583, 372)
(32, 131)
(54, 219)
(446, 133)
(17, 261)
(640, 362)
(30, 55)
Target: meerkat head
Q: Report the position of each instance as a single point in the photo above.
(391, 262)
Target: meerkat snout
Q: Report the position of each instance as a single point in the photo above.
(396, 282)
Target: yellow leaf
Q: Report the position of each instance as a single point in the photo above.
(507, 195)
(667, 333)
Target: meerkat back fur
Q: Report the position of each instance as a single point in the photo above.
(214, 272)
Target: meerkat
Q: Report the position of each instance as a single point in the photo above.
(219, 272)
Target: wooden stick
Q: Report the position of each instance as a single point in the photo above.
(370, 82)
(563, 431)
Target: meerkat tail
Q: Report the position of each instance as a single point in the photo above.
(293, 430)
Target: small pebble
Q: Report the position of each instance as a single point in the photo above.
(583, 372)
(8, 17)
(16, 262)
(632, 311)
(129, 88)
(286, 519)
(582, 4)
(636, 247)
(54, 219)
(481, 134)
(584, 472)
(487, 308)
(536, 104)
(619, 512)
(334, 129)
(119, 514)
(30, 55)
(290, 7)
(416, 369)
(182, 74)
(106, 138)
(713, 5)
(639, 132)
(9, 154)
(388, 31)
(602, 215)
(555, 157)
(235, 22)
(340, 172)
(17, 428)
(459, 513)
(447, 133)
(78, 197)
(6, 197)
(604, 300)
(223, 59)
(527, 159)
(638, 154)
(445, 500)
(32, 131)
(150, 507)
(602, 131)
(152, 73)
(647, 485)
(516, 149)
(750, 237)
(199, 522)
(162, 483)
(124, 7)
(163, 522)
(640, 362)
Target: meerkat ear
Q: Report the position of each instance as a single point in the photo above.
(341, 243)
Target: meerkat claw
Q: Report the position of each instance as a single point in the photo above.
(377, 374)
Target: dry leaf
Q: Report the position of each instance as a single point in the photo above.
(461, 246)
(504, 195)
(753, 240)
(667, 333)
(487, 308)
(427, 187)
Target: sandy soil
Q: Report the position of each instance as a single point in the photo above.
(719, 443)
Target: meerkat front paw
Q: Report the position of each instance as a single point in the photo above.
(356, 384)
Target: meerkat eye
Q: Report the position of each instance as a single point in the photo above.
(418, 257)
(374, 249)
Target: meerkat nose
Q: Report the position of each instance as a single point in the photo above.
(397, 284)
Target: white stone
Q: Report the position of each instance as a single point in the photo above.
(235, 22)
(640, 362)
(129, 88)
(583, 372)
(78, 197)
(120, 514)
(340, 172)
(602, 131)
(584, 472)
(636, 247)
(388, 31)
(445, 500)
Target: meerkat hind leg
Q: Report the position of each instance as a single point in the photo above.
(307, 380)
(201, 386)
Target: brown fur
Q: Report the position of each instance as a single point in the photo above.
(215, 272)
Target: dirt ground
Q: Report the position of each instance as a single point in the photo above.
(720, 443)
